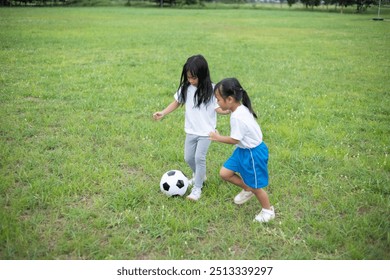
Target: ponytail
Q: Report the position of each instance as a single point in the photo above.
(247, 102)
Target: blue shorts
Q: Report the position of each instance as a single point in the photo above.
(252, 164)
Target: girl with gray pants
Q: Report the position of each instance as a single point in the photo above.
(195, 93)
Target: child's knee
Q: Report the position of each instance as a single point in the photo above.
(200, 160)
(224, 175)
(189, 159)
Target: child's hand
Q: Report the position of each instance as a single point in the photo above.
(213, 136)
(158, 116)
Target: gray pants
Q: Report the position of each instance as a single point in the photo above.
(195, 150)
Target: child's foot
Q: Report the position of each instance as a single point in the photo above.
(243, 197)
(195, 194)
(265, 215)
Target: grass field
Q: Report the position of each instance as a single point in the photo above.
(81, 157)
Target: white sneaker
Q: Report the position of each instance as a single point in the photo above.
(265, 215)
(195, 194)
(243, 197)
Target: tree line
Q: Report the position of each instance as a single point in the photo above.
(361, 5)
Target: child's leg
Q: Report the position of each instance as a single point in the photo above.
(231, 177)
(189, 151)
(262, 197)
(267, 212)
(202, 147)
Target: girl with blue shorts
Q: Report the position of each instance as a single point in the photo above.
(250, 158)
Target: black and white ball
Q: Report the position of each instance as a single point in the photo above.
(174, 183)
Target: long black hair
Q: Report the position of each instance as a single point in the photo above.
(198, 67)
(232, 87)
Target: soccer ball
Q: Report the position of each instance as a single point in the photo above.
(174, 183)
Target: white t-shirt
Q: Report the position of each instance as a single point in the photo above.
(244, 127)
(199, 120)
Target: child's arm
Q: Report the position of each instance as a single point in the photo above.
(222, 112)
(169, 109)
(215, 136)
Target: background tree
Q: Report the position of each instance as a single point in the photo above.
(311, 3)
(362, 5)
(343, 3)
(291, 2)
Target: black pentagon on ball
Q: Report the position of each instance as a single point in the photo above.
(166, 187)
(171, 173)
(180, 184)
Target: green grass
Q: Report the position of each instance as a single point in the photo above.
(81, 157)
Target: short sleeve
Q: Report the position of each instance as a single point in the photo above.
(238, 129)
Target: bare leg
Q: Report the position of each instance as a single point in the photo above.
(232, 177)
(262, 197)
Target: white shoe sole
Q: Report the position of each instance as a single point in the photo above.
(243, 201)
